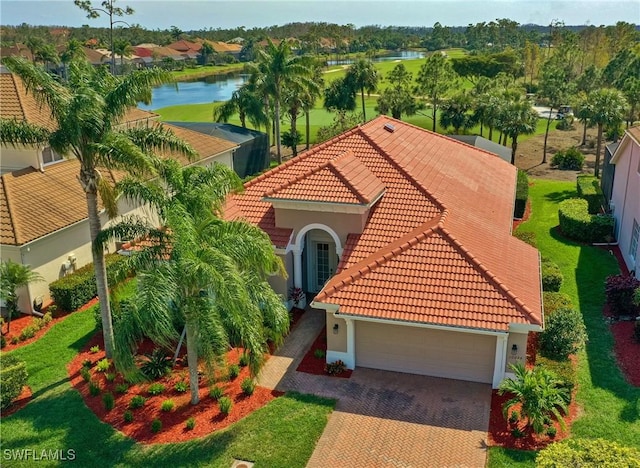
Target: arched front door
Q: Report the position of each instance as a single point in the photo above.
(321, 259)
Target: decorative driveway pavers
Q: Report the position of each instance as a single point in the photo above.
(386, 419)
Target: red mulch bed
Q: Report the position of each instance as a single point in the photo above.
(627, 351)
(20, 323)
(500, 429)
(19, 403)
(313, 365)
(525, 216)
(206, 414)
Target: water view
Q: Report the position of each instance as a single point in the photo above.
(394, 56)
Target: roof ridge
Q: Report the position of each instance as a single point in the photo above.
(300, 157)
(381, 256)
(16, 233)
(336, 170)
(298, 178)
(510, 295)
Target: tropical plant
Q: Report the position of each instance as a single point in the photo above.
(206, 51)
(340, 96)
(123, 48)
(295, 97)
(14, 276)
(455, 112)
(607, 107)
(588, 453)
(275, 68)
(87, 111)
(398, 98)
(156, 364)
(248, 386)
(564, 334)
(435, 78)
(539, 393)
(556, 87)
(517, 118)
(201, 273)
(247, 104)
(364, 77)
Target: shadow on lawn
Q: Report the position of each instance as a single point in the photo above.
(558, 196)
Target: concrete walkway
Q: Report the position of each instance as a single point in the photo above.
(386, 418)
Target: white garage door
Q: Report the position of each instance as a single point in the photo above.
(425, 351)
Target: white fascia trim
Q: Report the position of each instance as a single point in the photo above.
(330, 207)
(524, 328)
(326, 306)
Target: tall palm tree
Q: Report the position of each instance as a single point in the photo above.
(72, 51)
(275, 68)
(246, 103)
(295, 97)
(517, 118)
(364, 75)
(87, 110)
(310, 96)
(202, 273)
(540, 394)
(14, 276)
(607, 108)
(123, 48)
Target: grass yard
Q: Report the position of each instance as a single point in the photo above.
(281, 434)
(201, 71)
(611, 406)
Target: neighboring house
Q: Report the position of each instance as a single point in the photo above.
(403, 238)
(487, 145)
(43, 211)
(187, 49)
(225, 48)
(625, 197)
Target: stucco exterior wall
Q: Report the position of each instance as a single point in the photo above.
(279, 284)
(18, 158)
(336, 341)
(343, 224)
(626, 200)
(520, 356)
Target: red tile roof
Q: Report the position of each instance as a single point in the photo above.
(437, 248)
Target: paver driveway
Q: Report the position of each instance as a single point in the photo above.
(387, 419)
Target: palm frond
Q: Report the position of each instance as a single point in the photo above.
(15, 133)
(116, 151)
(142, 192)
(108, 196)
(159, 138)
(133, 88)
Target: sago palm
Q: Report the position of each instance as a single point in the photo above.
(88, 112)
(201, 273)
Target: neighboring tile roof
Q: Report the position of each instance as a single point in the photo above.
(437, 248)
(343, 179)
(185, 46)
(16, 103)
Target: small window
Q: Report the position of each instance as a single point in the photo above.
(49, 156)
(635, 234)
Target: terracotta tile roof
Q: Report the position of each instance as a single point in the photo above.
(185, 46)
(340, 180)
(223, 47)
(16, 103)
(437, 248)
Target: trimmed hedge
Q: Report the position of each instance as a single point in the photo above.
(522, 194)
(13, 377)
(73, 291)
(528, 237)
(620, 291)
(588, 453)
(551, 276)
(555, 300)
(589, 188)
(564, 370)
(576, 222)
(564, 334)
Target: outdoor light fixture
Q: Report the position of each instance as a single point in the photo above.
(514, 349)
(335, 328)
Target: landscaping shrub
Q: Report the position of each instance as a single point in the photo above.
(190, 424)
(216, 392)
(110, 376)
(87, 363)
(94, 349)
(565, 371)
(155, 389)
(576, 222)
(122, 388)
(167, 405)
(156, 426)
(13, 376)
(588, 453)
(181, 386)
(564, 334)
(137, 401)
(528, 237)
(233, 371)
(156, 365)
(335, 368)
(555, 300)
(589, 188)
(248, 386)
(108, 401)
(128, 416)
(551, 431)
(85, 374)
(94, 388)
(28, 332)
(620, 292)
(103, 365)
(3, 341)
(73, 291)
(551, 276)
(522, 194)
(244, 359)
(225, 405)
(319, 353)
(570, 159)
(565, 124)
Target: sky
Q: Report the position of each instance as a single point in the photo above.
(205, 14)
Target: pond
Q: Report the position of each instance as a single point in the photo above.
(393, 56)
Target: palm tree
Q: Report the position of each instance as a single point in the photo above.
(14, 276)
(295, 97)
(454, 112)
(556, 87)
(275, 68)
(202, 273)
(123, 48)
(246, 103)
(364, 75)
(517, 118)
(309, 98)
(72, 51)
(87, 110)
(607, 108)
(540, 394)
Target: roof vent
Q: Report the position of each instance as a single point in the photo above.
(389, 128)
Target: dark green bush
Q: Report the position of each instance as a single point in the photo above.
(233, 371)
(589, 188)
(94, 388)
(73, 291)
(216, 392)
(563, 335)
(190, 424)
(551, 276)
(636, 331)
(3, 341)
(156, 365)
(565, 124)
(137, 401)
(109, 401)
(576, 222)
(620, 291)
(555, 300)
(155, 389)
(13, 376)
(564, 370)
(522, 194)
(156, 426)
(225, 404)
(128, 416)
(570, 159)
(528, 237)
(588, 453)
(248, 386)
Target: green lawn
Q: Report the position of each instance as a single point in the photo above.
(611, 407)
(281, 434)
(200, 71)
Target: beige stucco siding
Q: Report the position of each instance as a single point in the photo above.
(14, 159)
(519, 355)
(342, 223)
(282, 285)
(336, 341)
(455, 355)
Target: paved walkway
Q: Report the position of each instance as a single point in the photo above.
(386, 419)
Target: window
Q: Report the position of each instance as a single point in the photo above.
(49, 156)
(635, 234)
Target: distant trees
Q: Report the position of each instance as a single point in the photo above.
(517, 118)
(398, 98)
(364, 77)
(556, 87)
(454, 112)
(435, 78)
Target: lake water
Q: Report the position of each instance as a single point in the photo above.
(221, 87)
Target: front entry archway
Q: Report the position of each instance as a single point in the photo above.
(316, 251)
